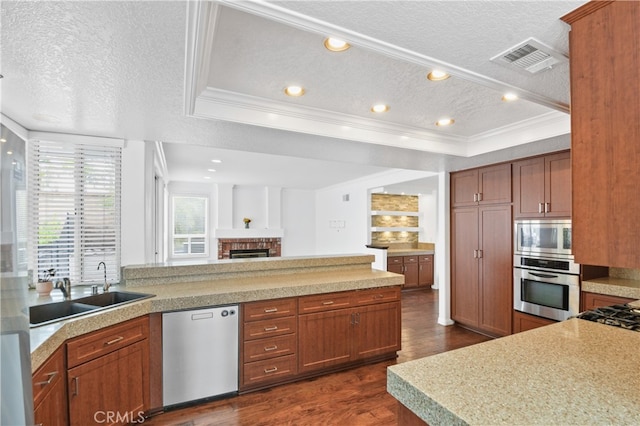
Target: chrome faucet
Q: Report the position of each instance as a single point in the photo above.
(64, 285)
(105, 287)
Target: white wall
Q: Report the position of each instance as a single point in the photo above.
(299, 222)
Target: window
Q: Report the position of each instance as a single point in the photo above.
(189, 236)
(74, 208)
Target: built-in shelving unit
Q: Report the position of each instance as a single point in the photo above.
(394, 218)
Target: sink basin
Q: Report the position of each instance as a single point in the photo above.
(45, 314)
(58, 311)
(112, 298)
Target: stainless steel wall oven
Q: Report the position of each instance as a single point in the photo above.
(546, 279)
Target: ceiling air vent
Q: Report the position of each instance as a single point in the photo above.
(531, 55)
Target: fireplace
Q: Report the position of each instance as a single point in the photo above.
(248, 247)
(243, 254)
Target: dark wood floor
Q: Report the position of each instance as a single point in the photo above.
(354, 397)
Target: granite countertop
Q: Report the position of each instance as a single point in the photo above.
(189, 295)
(572, 372)
(612, 286)
(408, 252)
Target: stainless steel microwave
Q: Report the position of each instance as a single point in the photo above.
(543, 237)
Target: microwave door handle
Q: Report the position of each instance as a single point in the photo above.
(543, 275)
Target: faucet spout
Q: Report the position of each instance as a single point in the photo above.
(106, 285)
(64, 285)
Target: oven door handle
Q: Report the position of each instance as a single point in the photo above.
(543, 275)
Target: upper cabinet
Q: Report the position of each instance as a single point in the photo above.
(605, 140)
(542, 186)
(487, 185)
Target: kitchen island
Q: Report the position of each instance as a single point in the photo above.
(572, 372)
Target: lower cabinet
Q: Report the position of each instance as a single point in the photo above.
(339, 336)
(108, 375)
(425, 270)
(524, 322)
(286, 339)
(49, 391)
(417, 269)
(595, 300)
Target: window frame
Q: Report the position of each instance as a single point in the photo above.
(204, 236)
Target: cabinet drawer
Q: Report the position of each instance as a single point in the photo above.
(410, 259)
(260, 372)
(375, 295)
(261, 349)
(323, 302)
(394, 260)
(276, 308)
(94, 345)
(48, 375)
(270, 327)
(427, 258)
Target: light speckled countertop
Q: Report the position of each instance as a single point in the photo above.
(408, 252)
(189, 295)
(572, 372)
(621, 287)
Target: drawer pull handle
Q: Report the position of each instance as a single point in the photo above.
(328, 302)
(270, 370)
(271, 348)
(274, 328)
(379, 296)
(51, 376)
(116, 340)
(270, 310)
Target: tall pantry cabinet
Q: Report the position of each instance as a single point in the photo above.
(481, 249)
(605, 132)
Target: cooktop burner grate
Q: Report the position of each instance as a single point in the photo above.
(617, 315)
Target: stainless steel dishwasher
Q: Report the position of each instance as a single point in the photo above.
(199, 354)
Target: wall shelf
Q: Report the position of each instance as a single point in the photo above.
(393, 213)
(395, 229)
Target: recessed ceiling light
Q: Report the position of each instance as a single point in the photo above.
(509, 97)
(294, 91)
(437, 75)
(445, 122)
(335, 44)
(207, 177)
(211, 170)
(3, 140)
(216, 161)
(380, 108)
(9, 152)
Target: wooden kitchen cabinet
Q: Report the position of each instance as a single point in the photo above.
(268, 348)
(108, 373)
(49, 391)
(481, 268)
(369, 328)
(595, 300)
(605, 132)
(425, 270)
(542, 186)
(524, 322)
(486, 185)
(407, 266)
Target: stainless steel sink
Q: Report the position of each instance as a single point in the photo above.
(112, 298)
(58, 311)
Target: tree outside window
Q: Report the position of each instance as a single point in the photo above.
(189, 235)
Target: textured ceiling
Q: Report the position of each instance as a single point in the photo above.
(117, 69)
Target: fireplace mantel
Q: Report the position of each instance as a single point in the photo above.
(249, 233)
(226, 245)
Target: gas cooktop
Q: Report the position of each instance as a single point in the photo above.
(617, 315)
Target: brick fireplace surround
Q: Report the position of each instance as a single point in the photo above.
(225, 245)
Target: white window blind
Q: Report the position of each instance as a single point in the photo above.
(74, 208)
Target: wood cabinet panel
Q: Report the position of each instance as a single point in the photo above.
(486, 185)
(269, 328)
(595, 300)
(377, 330)
(49, 391)
(375, 295)
(102, 342)
(407, 266)
(258, 350)
(114, 383)
(275, 308)
(325, 339)
(542, 186)
(268, 371)
(425, 271)
(495, 270)
(464, 266)
(605, 131)
(524, 322)
(324, 302)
